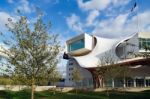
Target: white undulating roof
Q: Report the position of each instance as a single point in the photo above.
(103, 45)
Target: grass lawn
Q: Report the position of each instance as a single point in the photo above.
(71, 95)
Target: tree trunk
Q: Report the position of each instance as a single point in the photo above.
(32, 93)
(99, 82)
(76, 87)
(107, 92)
(53, 84)
(32, 88)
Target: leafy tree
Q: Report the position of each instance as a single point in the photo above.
(76, 76)
(5, 66)
(33, 51)
(5, 80)
(54, 78)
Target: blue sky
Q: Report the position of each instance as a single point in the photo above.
(107, 18)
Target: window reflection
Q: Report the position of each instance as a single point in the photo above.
(144, 42)
(76, 45)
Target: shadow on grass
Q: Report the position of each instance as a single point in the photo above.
(25, 94)
(129, 95)
(113, 94)
(5, 94)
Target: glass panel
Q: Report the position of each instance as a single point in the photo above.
(147, 82)
(84, 82)
(140, 45)
(76, 45)
(118, 82)
(90, 82)
(120, 50)
(129, 82)
(108, 83)
(140, 82)
(143, 43)
(148, 42)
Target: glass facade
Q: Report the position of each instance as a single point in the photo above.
(143, 42)
(86, 82)
(148, 82)
(76, 45)
(140, 82)
(129, 82)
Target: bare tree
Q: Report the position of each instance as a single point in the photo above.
(107, 70)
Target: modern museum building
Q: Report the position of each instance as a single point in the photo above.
(85, 52)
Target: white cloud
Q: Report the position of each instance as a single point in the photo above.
(111, 27)
(117, 3)
(74, 23)
(95, 7)
(100, 4)
(4, 20)
(24, 6)
(93, 4)
(117, 24)
(144, 21)
(91, 17)
(122, 26)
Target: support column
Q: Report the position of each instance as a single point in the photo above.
(144, 81)
(134, 82)
(124, 82)
(113, 83)
(103, 83)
